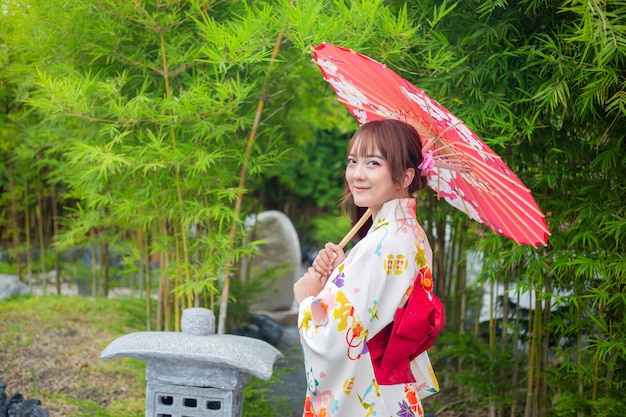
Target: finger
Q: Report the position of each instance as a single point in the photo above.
(322, 264)
(314, 274)
(331, 250)
(323, 256)
(318, 267)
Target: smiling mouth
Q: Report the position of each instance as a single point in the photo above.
(360, 189)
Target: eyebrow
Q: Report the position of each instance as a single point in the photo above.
(376, 155)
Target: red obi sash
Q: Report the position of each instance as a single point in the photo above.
(413, 330)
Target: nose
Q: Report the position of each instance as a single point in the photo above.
(358, 172)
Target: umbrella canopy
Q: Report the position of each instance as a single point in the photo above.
(464, 171)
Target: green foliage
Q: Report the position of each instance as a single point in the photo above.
(313, 171)
(474, 369)
(249, 290)
(258, 399)
(610, 406)
(329, 229)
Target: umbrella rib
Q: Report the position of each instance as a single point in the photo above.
(529, 203)
(480, 163)
(517, 220)
(482, 211)
(498, 177)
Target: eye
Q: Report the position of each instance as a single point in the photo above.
(351, 161)
(373, 163)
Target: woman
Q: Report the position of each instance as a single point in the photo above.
(360, 359)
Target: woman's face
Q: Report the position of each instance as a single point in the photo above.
(370, 182)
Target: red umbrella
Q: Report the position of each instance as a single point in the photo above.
(459, 166)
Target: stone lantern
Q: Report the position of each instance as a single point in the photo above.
(196, 372)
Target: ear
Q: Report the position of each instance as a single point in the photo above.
(407, 178)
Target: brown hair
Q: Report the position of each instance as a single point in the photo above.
(398, 143)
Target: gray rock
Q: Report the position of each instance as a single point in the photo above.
(282, 247)
(17, 406)
(11, 286)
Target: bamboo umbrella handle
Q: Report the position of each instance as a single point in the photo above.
(355, 228)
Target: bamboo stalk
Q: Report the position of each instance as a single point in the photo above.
(160, 294)
(528, 408)
(596, 366)
(27, 226)
(15, 231)
(165, 297)
(42, 246)
(505, 310)
(196, 299)
(99, 262)
(545, 343)
(439, 255)
(178, 300)
(179, 192)
(242, 178)
(55, 232)
(537, 355)
(169, 283)
(481, 291)
(516, 362)
(462, 280)
(579, 361)
(492, 339)
(148, 278)
(167, 317)
(504, 336)
(94, 263)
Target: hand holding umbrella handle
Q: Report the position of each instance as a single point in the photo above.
(355, 228)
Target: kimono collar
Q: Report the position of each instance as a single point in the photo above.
(398, 209)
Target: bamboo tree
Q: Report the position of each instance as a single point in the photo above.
(14, 222)
(94, 263)
(579, 363)
(492, 337)
(530, 407)
(55, 231)
(27, 233)
(242, 179)
(148, 277)
(545, 348)
(41, 239)
(516, 358)
(168, 94)
(596, 369)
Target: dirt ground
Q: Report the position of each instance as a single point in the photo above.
(65, 361)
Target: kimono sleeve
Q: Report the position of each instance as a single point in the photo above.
(360, 297)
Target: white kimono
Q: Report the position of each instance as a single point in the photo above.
(359, 300)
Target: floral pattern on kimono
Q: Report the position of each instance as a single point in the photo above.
(360, 299)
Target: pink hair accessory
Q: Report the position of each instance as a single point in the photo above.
(428, 162)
